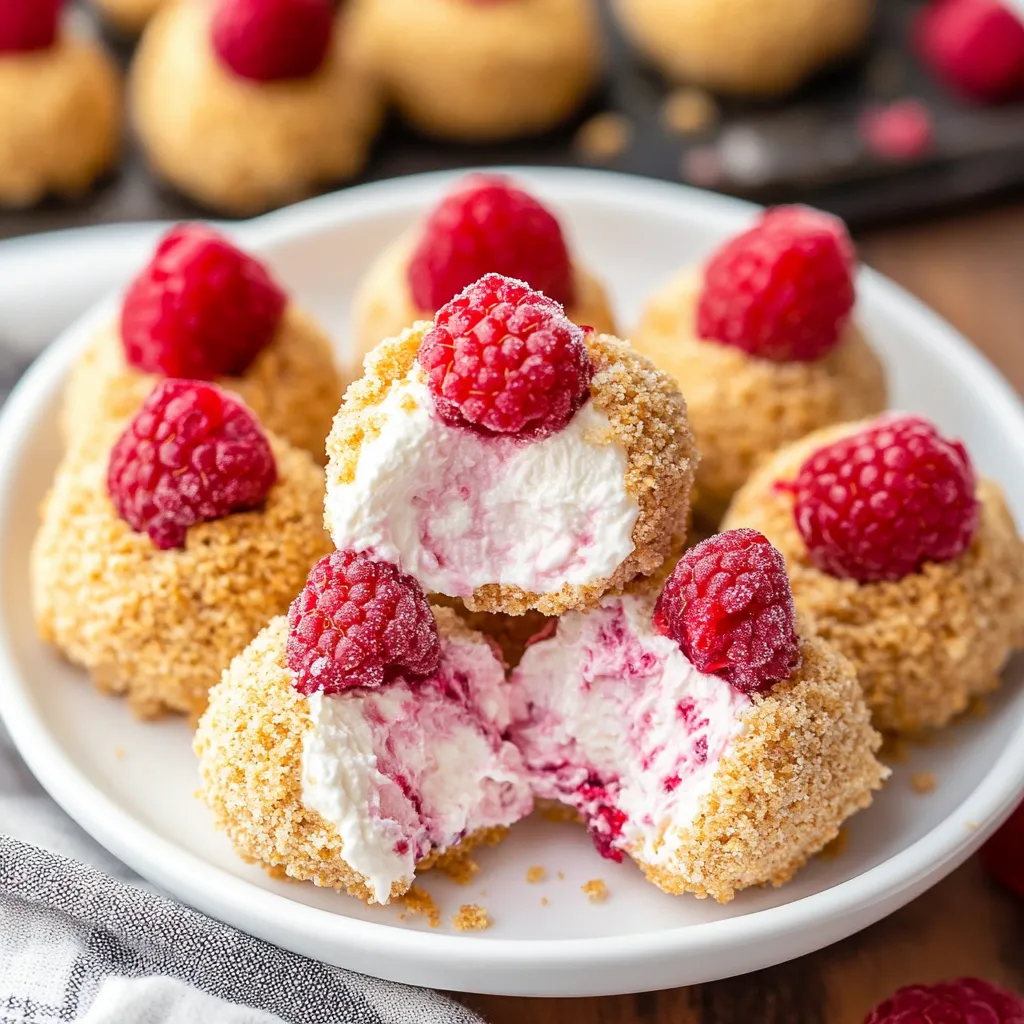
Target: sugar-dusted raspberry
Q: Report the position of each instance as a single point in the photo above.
(270, 40)
(879, 503)
(503, 359)
(488, 226)
(191, 453)
(1003, 855)
(783, 289)
(202, 308)
(975, 46)
(729, 606)
(28, 24)
(359, 622)
(964, 1001)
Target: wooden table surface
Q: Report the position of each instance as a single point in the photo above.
(970, 268)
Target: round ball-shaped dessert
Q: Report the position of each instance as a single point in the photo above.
(482, 70)
(761, 342)
(128, 17)
(245, 105)
(60, 106)
(745, 47)
(204, 309)
(486, 224)
(157, 561)
(898, 558)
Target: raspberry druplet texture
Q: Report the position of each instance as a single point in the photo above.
(1003, 855)
(729, 606)
(272, 40)
(359, 622)
(504, 359)
(191, 454)
(27, 25)
(488, 226)
(782, 290)
(201, 309)
(964, 1001)
(878, 504)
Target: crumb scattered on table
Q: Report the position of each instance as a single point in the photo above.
(687, 111)
(543, 901)
(535, 874)
(596, 890)
(923, 782)
(837, 847)
(420, 903)
(471, 918)
(604, 137)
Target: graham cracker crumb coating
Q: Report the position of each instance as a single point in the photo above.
(803, 763)
(160, 626)
(647, 415)
(293, 387)
(128, 17)
(742, 409)
(512, 633)
(249, 745)
(472, 918)
(925, 645)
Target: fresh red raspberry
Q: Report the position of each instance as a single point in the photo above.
(879, 503)
(503, 359)
(201, 309)
(975, 46)
(28, 24)
(729, 606)
(782, 290)
(271, 40)
(903, 130)
(192, 453)
(488, 226)
(359, 622)
(1003, 855)
(964, 1001)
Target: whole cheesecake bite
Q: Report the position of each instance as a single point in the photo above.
(158, 560)
(761, 342)
(696, 731)
(203, 309)
(900, 558)
(60, 106)
(503, 456)
(485, 225)
(362, 738)
(244, 105)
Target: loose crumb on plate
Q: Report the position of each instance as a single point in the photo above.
(923, 782)
(687, 111)
(119, 753)
(535, 874)
(543, 901)
(561, 876)
(837, 847)
(596, 890)
(471, 918)
(419, 902)
(971, 826)
(604, 137)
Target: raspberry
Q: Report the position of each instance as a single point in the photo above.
(782, 290)
(729, 606)
(201, 308)
(879, 503)
(964, 1001)
(604, 820)
(271, 40)
(504, 359)
(28, 24)
(191, 453)
(1003, 855)
(903, 130)
(488, 226)
(975, 46)
(359, 622)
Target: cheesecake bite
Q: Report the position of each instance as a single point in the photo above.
(900, 558)
(503, 456)
(159, 558)
(696, 731)
(362, 738)
(485, 225)
(762, 344)
(203, 309)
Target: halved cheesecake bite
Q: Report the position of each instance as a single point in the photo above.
(506, 457)
(159, 558)
(362, 738)
(204, 310)
(900, 557)
(761, 341)
(697, 731)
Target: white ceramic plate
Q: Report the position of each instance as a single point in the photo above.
(131, 785)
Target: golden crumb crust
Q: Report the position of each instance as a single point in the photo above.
(512, 633)
(741, 408)
(803, 763)
(161, 626)
(384, 307)
(128, 16)
(249, 745)
(647, 415)
(293, 387)
(925, 645)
